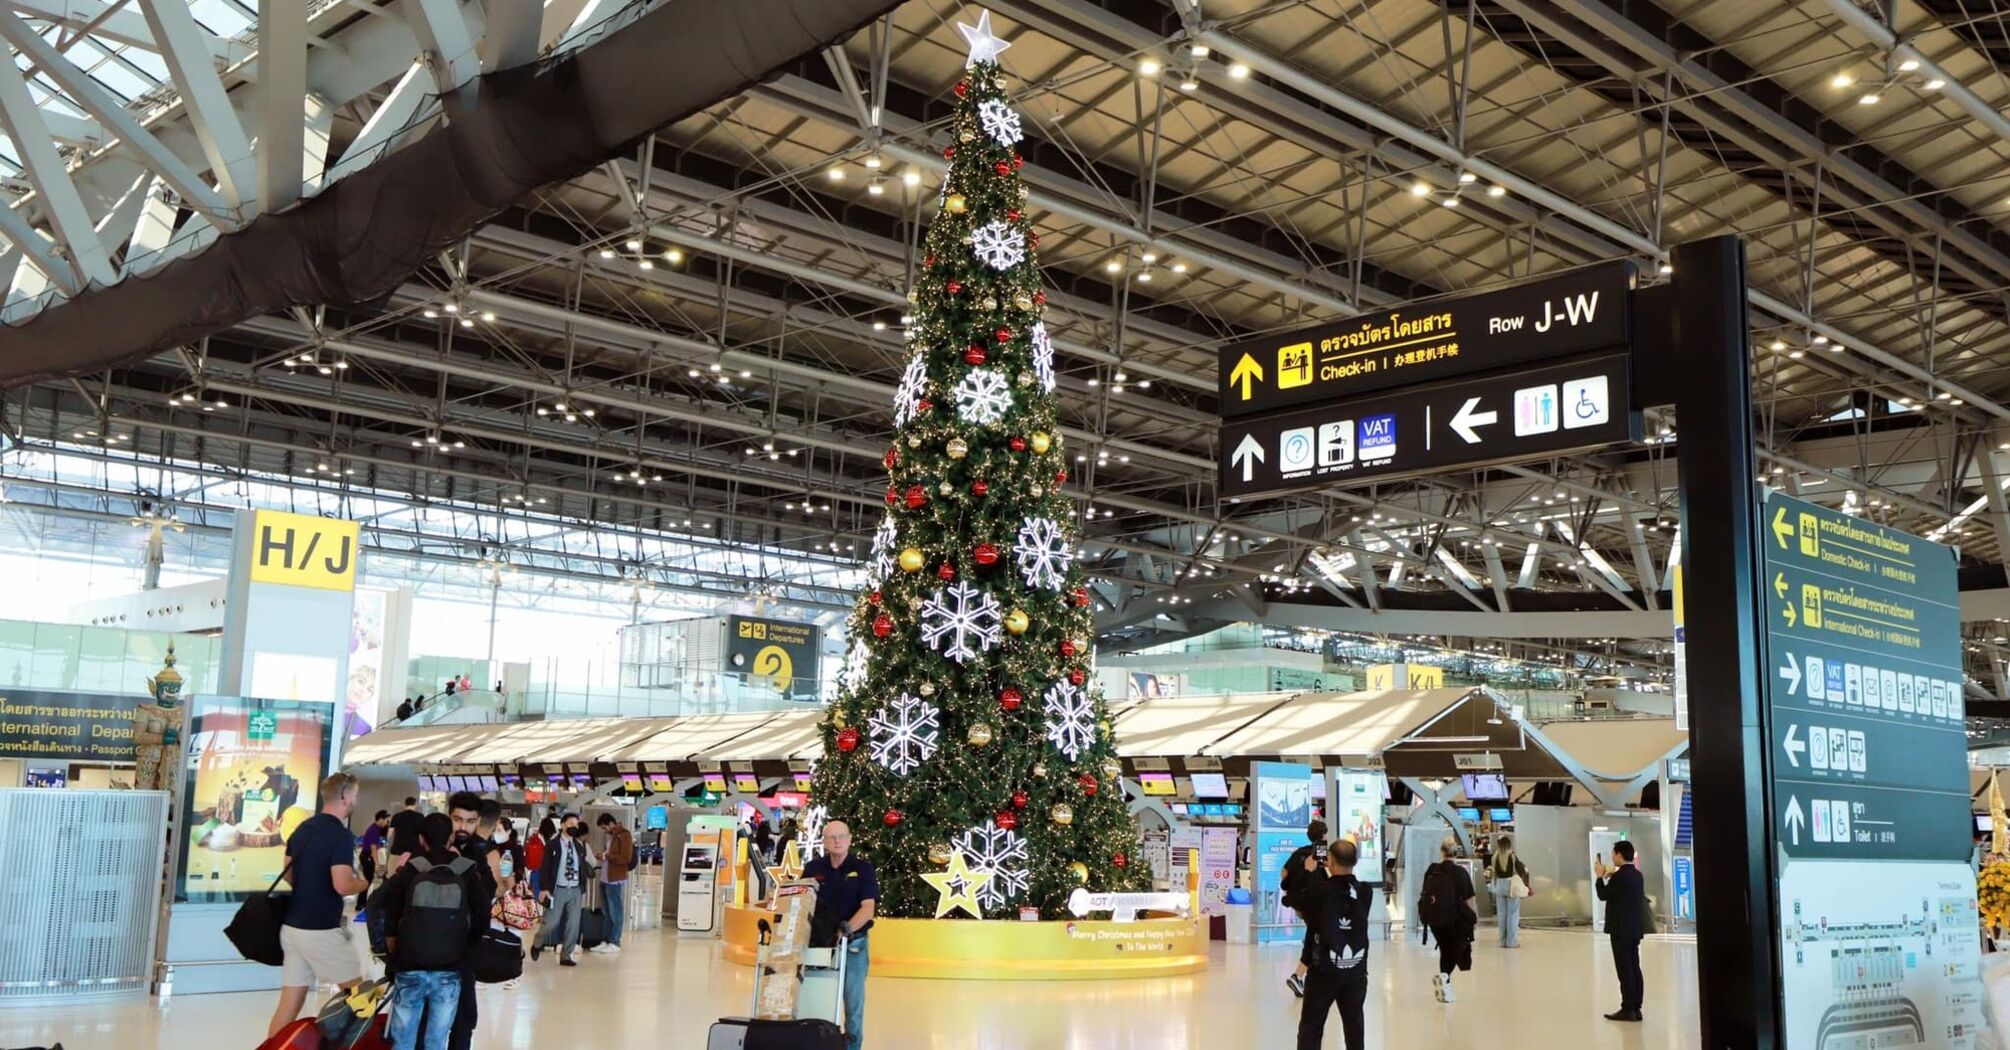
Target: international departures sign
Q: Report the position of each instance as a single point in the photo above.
(1577, 312)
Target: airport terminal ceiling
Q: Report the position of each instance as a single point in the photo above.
(698, 342)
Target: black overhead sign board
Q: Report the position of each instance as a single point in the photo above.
(1863, 626)
(1496, 419)
(67, 727)
(1574, 313)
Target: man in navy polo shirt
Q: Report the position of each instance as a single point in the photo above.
(847, 893)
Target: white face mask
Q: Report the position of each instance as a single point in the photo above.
(501, 834)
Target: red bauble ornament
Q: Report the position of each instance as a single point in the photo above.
(1068, 648)
(916, 498)
(1018, 162)
(1032, 238)
(962, 88)
(1010, 699)
(986, 554)
(892, 495)
(922, 406)
(1002, 168)
(946, 571)
(873, 598)
(1019, 799)
(882, 625)
(1076, 676)
(1006, 820)
(928, 260)
(973, 355)
(1012, 214)
(953, 286)
(1088, 784)
(1119, 859)
(1003, 334)
(979, 487)
(892, 456)
(1039, 298)
(893, 818)
(1018, 444)
(1061, 476)
(949, 153)
(847, 739)
(1081, 596)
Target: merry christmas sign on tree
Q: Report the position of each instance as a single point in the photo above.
(967, 747)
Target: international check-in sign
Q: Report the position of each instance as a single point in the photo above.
(303, 551)
(1491, 378)
(1869, 748)
(1582, 311)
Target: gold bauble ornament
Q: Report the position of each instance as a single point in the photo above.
(989, 303)
(1104, 725)
(938, 853)
(980, 735)
(1038, 491)
(957, 448)
(914, 603)
(1017, 621)
(1025, 379)
(1062, 813)
(1042, 442)
(914, 441)
(946, 489)
(1024, 193)
(1040, 769)
(1112, 769)
(966, 136)
(956, 203)
(913, 296)
(1080, 871)
(926, 689)
(910, 560)
(838, 719)
(1023, 301)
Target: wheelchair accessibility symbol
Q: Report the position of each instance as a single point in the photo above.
(1586, 402)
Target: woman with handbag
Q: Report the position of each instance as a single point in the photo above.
(1507, 877)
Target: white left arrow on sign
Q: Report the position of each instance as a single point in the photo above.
(1466, 420)
(1247, 455)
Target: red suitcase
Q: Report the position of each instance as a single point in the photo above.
(303, 1034)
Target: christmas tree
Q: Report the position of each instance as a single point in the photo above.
(966, 722)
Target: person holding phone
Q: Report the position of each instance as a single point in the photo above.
(1624, 892)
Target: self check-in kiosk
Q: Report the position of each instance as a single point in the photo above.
(697, 888)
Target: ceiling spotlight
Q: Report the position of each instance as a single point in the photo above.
(1779, 344)
(489, 316)
(466, 322)
(1179, 267)
(1420, 189)
(673, 256)
(1820, 340)
(877, 187)
(452, 308)
(1189, 83)
(1908, 65)
(634, 244)
(1497, 191)
(1145, 277)
(1114, 266)
(879, 326)
(645, 264)
(835, 174)
(873, 162)
(1842, 80)
(1667, 268)
(910, 177)
(1467, 178)
(607, 253)
(1238, 71)
(1451, 202)
(1935, 84)
(1868, 98)
(1148, 67)
(1199, 51)
(1149, 257)
(429, 312)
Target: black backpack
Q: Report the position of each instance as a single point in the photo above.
(1438, 904)
(433, 933)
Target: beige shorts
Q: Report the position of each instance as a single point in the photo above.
(317, 957)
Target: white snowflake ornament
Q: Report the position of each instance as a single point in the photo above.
(1043, 553)
(855, 662)
(913, 385)
(991, 848)
(810, 832)
(983, 397)
(1071, 719)
(999, 122)
(904, 734)
(961, 622)
(1043, 356)
(999, 245)
(882, 551)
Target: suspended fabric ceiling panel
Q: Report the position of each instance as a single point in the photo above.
(1613, 749)
(1188, 725)
(1361, 723)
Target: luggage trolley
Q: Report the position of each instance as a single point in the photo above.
(819, 1020)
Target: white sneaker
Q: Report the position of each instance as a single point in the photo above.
(1448, 996)
(512, 984)
(609, 948)
(1438, 987)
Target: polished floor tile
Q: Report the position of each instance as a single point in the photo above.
(665, 991)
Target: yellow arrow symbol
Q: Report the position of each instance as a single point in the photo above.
(1781, 530)
(1780, 585)
(1245, 371)
(1788, 612)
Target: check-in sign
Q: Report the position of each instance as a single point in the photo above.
(302, 551)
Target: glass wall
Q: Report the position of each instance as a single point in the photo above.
(102, 659)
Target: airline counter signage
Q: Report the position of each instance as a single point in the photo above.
(303, 551)
(1574, 313)
(1497, 419)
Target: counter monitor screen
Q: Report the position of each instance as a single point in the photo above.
(631, 781)
(1485, 787)
(1501, 816)
(1179, 809)
(1469, 814)
(1210, 785)
(1155, 783)
(582, 781)
(659, 782)
(1982, 824)
(487, 783)
(510, 781)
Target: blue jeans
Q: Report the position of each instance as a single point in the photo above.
(857, 960)
(1507, 908)
(434, 994)
(616, 900)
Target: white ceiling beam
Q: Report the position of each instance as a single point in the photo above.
(109, 110)
(449, 45)
(513, 35)
(217, 127)
(88, 262)
(393, 117)
(121, 27)
(282, 102)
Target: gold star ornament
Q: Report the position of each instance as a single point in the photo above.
(957, 887)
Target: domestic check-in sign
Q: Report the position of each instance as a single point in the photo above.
(1538, 412)
(1583, 311)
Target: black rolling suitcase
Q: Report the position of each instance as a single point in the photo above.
(740, 1033)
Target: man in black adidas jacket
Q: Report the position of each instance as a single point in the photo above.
(1339, 974)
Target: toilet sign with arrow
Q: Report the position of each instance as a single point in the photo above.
(1496, 419)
